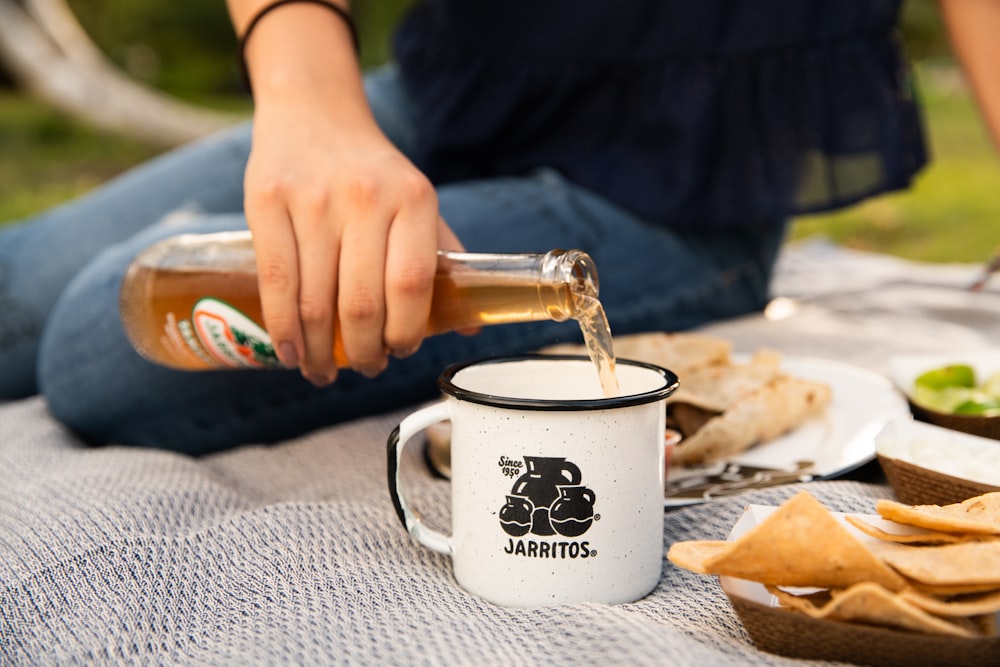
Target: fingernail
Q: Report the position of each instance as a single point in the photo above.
(316, 380)
(372, 372)
(288, 355)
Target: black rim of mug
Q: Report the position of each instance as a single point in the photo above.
(446, 383)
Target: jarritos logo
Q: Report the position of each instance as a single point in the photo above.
(232, 338)
(547, 500)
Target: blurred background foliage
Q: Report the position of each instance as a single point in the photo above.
(187, 48)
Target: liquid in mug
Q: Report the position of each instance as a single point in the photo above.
(191, 302)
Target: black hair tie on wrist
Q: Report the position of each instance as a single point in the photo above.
(267, 9)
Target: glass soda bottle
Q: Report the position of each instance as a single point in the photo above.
(190, 302)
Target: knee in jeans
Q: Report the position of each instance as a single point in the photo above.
(82, 343)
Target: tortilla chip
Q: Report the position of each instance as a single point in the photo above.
(986, 624)
(943, 591)
(980, 514)
(974, 563)
(949, 586)
(870, 603)
(800, 544)
(965, 605)
(693, 555)
(806, 603)
(909, 538)
(771, 410)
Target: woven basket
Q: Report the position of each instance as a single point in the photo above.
(987, 427)
(796, 635)
(915, 485)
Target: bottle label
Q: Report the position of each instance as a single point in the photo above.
(230, 337)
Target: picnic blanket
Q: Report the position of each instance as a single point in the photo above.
(292, 553)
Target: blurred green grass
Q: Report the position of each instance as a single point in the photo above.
(47, 158)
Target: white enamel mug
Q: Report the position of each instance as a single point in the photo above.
(557, 492)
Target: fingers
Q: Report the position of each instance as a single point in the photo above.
(278, 278)
(346, 267)
(296, 253)
(360, 298)
(318, 267)
(411, 264)
(387, 279)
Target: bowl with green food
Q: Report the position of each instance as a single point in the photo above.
(959, 391)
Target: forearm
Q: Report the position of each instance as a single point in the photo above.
(301, 54)
(974, 29)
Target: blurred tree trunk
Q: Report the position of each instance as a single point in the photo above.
(48, 53)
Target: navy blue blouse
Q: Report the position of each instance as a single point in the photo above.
(694, 112)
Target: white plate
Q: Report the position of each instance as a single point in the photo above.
(829, 445)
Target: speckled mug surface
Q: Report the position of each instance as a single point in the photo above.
(557, 491)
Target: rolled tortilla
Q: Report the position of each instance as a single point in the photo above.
(771, 410)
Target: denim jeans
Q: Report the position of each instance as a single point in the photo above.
(60, 272)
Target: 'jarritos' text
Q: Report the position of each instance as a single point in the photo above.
(543, 549)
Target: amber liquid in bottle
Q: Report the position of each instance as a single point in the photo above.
(191, 302)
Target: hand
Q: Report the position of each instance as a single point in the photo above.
(344, 227)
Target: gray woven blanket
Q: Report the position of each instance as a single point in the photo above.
(292, 554)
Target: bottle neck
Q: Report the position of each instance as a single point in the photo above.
(476, 289)
(565, 276)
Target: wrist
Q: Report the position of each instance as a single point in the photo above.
(293, 45)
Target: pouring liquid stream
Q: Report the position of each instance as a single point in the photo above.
(593, 322)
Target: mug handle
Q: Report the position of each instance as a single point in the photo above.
(411, 425)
